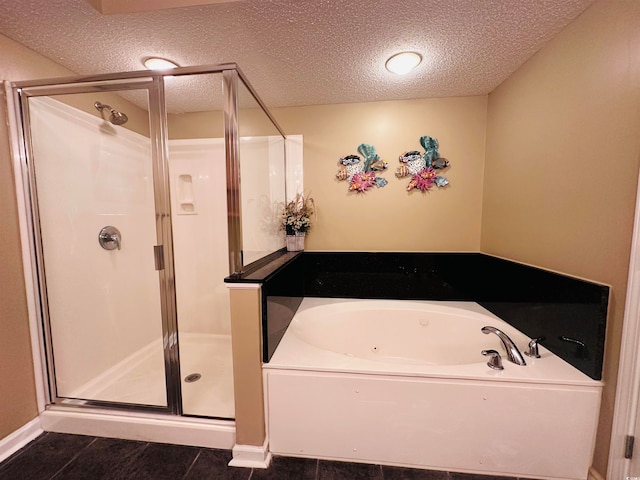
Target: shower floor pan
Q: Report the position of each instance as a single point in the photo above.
(139, 379)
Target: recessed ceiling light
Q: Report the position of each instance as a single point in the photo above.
(402, 63)
(157, 63)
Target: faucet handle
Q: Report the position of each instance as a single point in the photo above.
(533, 347)
(581, 348)
(495, 361)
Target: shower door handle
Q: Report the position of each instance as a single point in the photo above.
(158, 255)
(110, 238)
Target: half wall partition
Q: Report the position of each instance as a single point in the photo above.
(145, 191)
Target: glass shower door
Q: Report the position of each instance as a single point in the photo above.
(198, 181)
(95, 194)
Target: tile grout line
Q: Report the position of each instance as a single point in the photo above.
(192, 464)
(60, 470)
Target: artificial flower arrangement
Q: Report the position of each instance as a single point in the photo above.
(296, 215)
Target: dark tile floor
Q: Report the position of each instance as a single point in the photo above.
(55, 456)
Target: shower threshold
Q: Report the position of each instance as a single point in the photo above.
(162, 428)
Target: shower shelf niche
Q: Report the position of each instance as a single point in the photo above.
(186, 202)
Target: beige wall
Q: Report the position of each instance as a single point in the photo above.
(561, 171)
(17, 395)
(246, 342)
(390, 218)
(196, 125)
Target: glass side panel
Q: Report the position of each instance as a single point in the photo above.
(197, 172)
(95, 201)
(262, 174)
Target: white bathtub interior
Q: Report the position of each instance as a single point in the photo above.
(332, 392)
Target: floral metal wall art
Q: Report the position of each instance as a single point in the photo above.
(362, 175)
(423, 167)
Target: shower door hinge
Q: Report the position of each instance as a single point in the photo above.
(158, 254)
(628, 446)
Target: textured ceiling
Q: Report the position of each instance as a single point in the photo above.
(302, 52)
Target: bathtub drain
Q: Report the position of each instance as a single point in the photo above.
(192, 377)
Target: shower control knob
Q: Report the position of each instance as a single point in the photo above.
(109, 238)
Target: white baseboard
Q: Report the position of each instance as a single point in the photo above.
(18, 439)
(594, 474)
(251, 456)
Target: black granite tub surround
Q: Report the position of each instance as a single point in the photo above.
(569, 313)
(282, 294)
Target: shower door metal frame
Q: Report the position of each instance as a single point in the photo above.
(154, 85)
(231, 78)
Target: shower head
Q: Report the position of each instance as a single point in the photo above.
(116, 117)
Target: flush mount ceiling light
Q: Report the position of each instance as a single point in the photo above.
(157, 63)
(402, 63)
(111, 7)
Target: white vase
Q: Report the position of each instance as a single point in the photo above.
(295, 243)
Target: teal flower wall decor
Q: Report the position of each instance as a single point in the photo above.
(423, 167)
(362, 175)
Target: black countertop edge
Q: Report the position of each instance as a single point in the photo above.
(265, 272)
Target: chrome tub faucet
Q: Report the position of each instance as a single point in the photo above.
(513, 354)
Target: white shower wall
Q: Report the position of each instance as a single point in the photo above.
(262, 176)
(200, 240)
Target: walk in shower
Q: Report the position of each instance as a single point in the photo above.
(144, 191)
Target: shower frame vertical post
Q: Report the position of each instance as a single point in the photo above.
(160, 158)
(33, 218)
(232, 155)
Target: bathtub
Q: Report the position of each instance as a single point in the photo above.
(400, 382)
